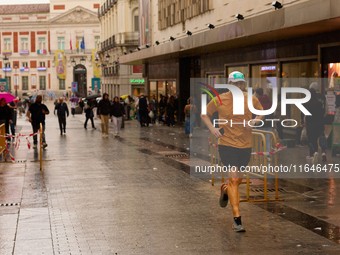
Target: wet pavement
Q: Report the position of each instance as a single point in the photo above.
(133, 195)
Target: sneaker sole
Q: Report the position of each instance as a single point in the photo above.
(238, 230)
(223, 203)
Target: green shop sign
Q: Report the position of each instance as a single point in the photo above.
(137, 81)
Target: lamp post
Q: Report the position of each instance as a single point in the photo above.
(15, 77)
(6, 61)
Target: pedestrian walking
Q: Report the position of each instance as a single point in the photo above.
(20, 107)
(128, 102)
(153, 108)
(62, 111)
(73, 107)
(13, 106)
(170, 110)
(122, 102)
(190, 111)
(104, 109)
(81, 104)
(314, 125)
(36, 115)
(89, 115)
(117, 115)
(235, 143)
(324, 105)
(5, 115)
(162, 110)
(142, 103)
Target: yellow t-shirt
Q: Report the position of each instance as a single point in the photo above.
(236, 136)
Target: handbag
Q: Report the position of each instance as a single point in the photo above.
(304, 136)
(151, 114)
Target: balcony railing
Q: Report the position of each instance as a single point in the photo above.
(127, 38)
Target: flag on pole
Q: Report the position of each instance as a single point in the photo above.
(77, 45)
(70, 42)
(82, 44)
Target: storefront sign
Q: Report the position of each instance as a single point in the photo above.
(96, 67)
(74, 86)
(6, 52)
(23, 52)
(7, 69)
(139, 81)
(42, 51)
(60, 61)
(137, 69)
(42, 68)
(3, 85)
(268, 68)
(95, 83)
(24, 69)
(337, 84)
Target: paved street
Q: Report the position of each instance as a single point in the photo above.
(127, 196)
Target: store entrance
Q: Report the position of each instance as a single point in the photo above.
(80, 76)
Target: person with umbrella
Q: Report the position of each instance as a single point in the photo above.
(5, 115)
(62, 109)
(36, 115)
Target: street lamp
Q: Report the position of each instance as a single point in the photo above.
(6, 61)
(107, 58)
(83, 61)
(73, 62)
(15, 79)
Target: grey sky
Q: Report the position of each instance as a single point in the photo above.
(6, 2)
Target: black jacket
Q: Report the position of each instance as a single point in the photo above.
(104, 107)
(117, 110)
(62, 109)
(5, 114)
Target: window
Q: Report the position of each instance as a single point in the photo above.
(24, 43)
(42, 43)
(41, 64)
(61, 43)
(7, 44)
(24, 64)
(42, 82)
(7, 64)
(136, 23)
(97, 42)
(24, 83)
(61, 84)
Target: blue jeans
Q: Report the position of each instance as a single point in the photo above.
(189, 124)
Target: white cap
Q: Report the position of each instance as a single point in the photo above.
(236, 76)
(314, 85)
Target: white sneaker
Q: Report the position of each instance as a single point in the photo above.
(35, 146)
(106, 136)
(190, 135)
(309, 160)
(315, 159)
(103, 135)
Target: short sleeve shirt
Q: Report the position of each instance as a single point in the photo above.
(36, 112)
(236, 135)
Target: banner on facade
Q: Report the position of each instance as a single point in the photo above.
(60, 63)
(95, 83)
(3, 85)
(96, 67)
(74, 86)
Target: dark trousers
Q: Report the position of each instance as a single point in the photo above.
(128, 109)
(171, 119)
(62, 123)
(36, 127)
(279, 129)
(143, 116)
(73, 111)
(89, 118)
(313, 133)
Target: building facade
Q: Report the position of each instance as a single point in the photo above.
(119, 24)
(206, 39)
(33, 35)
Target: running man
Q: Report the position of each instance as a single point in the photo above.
(235, 143)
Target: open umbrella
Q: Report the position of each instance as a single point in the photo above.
(93, 96)
(124, 96)
(9, 97)
(74, 99)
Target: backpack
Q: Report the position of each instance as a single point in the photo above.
(143, 103)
